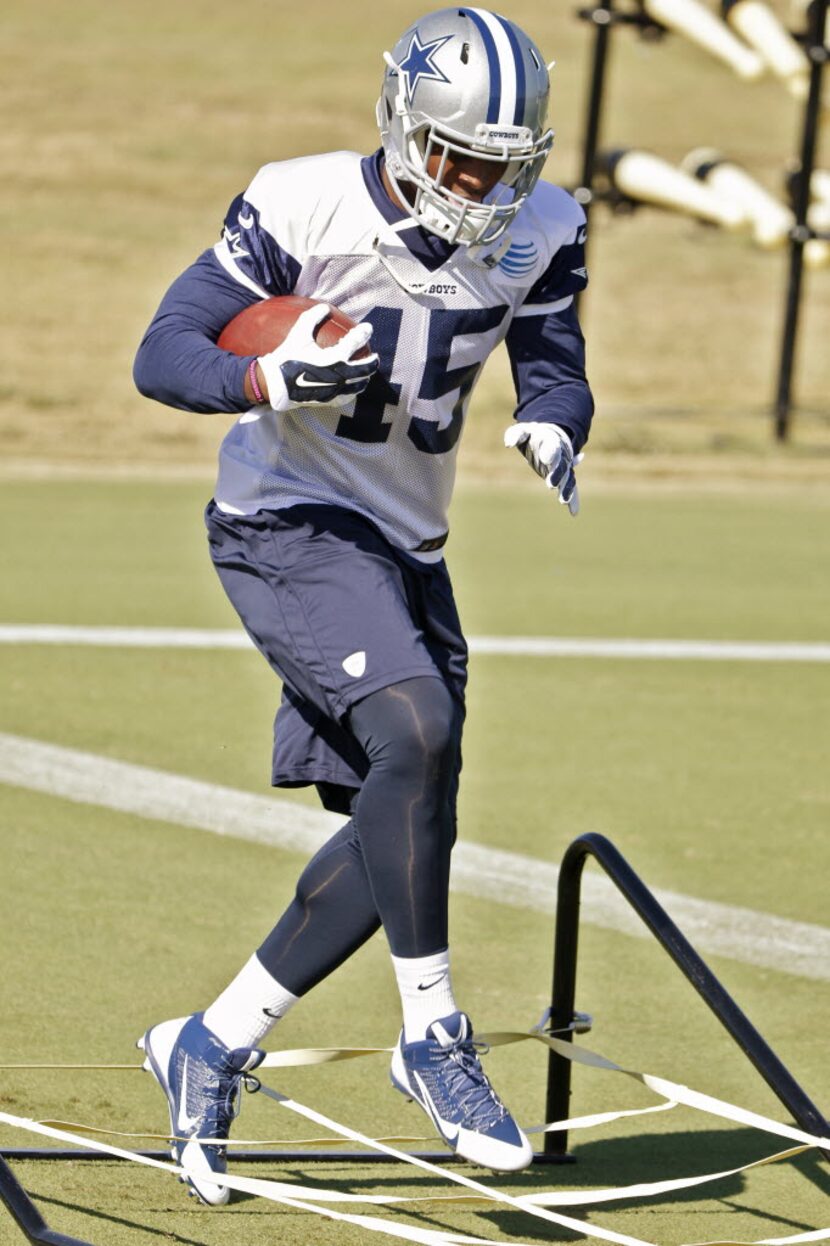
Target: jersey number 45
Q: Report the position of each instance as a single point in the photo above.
(438, 379)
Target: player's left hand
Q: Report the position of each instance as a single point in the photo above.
(549, 451)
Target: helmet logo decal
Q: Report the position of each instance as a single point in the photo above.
(419, 63)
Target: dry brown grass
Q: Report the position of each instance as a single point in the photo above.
(121, 152)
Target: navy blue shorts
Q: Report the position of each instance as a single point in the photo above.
(338, 613)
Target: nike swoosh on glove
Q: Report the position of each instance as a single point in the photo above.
(549, 451)
(300, 373)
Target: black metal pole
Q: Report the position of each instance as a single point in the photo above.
(563, 992)
(602, 17)
(817, 52)
(777, 1077)
(88, 1155)
(26, 1215)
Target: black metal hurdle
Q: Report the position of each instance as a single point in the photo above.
(646, 906)
(26, 1215)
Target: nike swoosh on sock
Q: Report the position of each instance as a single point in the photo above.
(427, 986)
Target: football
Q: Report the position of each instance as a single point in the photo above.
(262, 326)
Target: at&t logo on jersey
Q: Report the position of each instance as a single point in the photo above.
(519, 259)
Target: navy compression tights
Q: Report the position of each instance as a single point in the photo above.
(390, 864)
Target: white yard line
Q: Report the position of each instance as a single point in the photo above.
(496, 875)
(519, 646)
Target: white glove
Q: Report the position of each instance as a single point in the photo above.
(549, 451)
(300, 373)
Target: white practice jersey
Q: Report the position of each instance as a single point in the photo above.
(323, 227)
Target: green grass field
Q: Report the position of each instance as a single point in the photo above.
(709, 776)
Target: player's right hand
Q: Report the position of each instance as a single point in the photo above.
(300, 373)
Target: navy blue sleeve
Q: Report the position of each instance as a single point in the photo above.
(547, 349)
(547, 358)
(178, 362)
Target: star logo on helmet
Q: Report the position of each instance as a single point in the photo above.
(419, 63)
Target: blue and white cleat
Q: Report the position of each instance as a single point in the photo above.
(443, 1073)
(202, 1081)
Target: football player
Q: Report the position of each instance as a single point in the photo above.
(330, 516)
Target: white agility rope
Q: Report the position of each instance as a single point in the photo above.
(578, 1122)
(681, 1094)
(296, 1195)
(458, 1178)
(276, 1192)
(534, 1204)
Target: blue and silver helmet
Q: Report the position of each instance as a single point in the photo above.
(464, 81)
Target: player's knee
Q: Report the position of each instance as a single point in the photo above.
(410, 728)
(428, 723)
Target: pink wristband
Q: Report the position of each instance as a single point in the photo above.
(258, 394)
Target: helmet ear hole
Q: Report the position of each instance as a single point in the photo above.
(418, 142)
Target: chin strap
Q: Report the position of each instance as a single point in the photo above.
(487, 256)
(396, 261)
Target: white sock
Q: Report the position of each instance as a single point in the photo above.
(249, 1007)
(426, 991)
